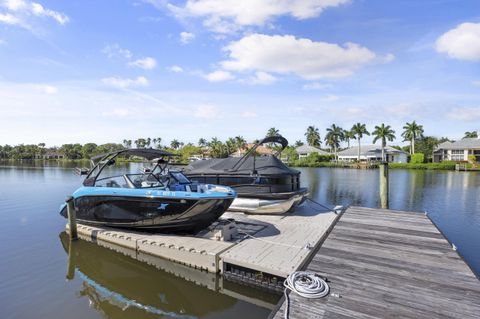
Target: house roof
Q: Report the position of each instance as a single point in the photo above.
(369, 149)
(260, 150)
(307, 149)
(465, 143)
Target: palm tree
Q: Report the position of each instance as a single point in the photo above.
(347, 136)
(298, 143)
(313, 136)
(240, 142)
(333, 138)
(383, 133)
(157, 141)
(127, 143)
(411, 132)
(175, 144)
(273, 132)
(358, 131)
(472, 134)
(202, 142)
(140, 142)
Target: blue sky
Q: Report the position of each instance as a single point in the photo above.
(101, 71)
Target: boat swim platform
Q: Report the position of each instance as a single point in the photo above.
(260, 250)
(388, 264)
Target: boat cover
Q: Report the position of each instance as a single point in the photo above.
(264, 165)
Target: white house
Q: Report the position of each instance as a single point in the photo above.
(305, 150)
(373, 153)
(458, 150)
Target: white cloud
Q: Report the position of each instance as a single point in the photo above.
(125, 83)
(289, 55)
(2, 42)
(219, 76)
(114, 50)
(316, 86)
(186, 37)
(206, 111)
(175, 69)
(476, 82)
(462, 42)
(147, 63)
(331, 98)
(7, 18)
(117, 112)
(49, 89)
(249, 114)
(229, 15)
(27, 8)
(464, 114)
(262, 78)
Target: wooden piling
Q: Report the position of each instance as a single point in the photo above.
(383, 185)
(71, 260)
(72, 218)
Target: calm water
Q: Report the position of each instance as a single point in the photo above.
(107, 284)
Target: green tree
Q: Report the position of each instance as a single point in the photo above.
(333, 137)
(411, 132)
(358, 131)
(347, 136)
(217, 148)
(140, 142)
(313, 136)
(157, 142)
(71, 151)
(240, 142)
(273, 132)
(127, 143)
(383, 133)
(88, 150)
(298, 143)
(175, 144)
(202, 142)
(472, 134)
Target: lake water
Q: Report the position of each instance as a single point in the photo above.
(107, 284)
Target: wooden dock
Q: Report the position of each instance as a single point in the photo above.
(388, 264)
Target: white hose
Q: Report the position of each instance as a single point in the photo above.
(306, 284)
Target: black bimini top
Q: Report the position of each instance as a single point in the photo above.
(147, 153)
(264, 165)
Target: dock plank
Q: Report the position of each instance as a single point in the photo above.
(388, 264)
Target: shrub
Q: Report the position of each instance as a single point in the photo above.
(417, 158)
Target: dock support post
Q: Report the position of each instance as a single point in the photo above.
(72, 218)
(384, 185)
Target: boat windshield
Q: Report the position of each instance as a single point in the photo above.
(143, 180)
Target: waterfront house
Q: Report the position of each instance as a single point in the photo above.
(50, 153)
(260, 150)
(458, 150)
(373, 153)
(305, 150)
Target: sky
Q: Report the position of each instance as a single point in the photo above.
(104, 71)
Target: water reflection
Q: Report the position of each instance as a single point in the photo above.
(144, 286)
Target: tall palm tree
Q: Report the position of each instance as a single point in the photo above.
(202, 142)
(383, 133)
(358, 131)
(347, 136)
(411, 132)
(333, 138)
(240, 142)
(157, 141)
(273, 132)
(313, 136)
(472, 134)
(175, 144)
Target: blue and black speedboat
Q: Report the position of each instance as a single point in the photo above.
(157, 198)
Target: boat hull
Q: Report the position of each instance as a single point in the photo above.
(149, 213)
(273, 204)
